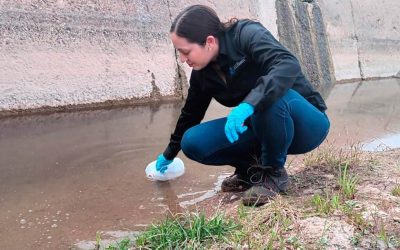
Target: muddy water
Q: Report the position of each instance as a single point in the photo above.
(66, 176)
(366, 112)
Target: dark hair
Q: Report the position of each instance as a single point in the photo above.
(197, 22)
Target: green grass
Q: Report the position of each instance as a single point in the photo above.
(125, 244)
(396, 190)
(347, 182)
(325, 205)
(188, 231)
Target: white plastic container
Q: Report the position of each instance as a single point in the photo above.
(174, 170)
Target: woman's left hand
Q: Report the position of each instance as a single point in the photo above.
(235, 121)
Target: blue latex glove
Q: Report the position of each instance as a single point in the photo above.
(162, 163)
(234, 123)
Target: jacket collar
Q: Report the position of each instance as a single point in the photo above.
(223, 58)
(228, 51)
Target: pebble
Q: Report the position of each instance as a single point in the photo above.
(22, 221)
(233, 197)
(54, 225)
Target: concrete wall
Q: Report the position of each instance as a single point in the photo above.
(60, 54)
(301, 29)
(364, 37)
(57, 53)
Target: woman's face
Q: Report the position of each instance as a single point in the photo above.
(195, 55)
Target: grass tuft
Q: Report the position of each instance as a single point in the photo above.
(266, 227)
(396, 190)
(329, 155)
(347, 182)
(187, 231)
(325, 205)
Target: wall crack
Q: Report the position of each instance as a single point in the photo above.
(357, 43)
(180, 78)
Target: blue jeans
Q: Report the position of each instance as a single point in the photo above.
(290, 126)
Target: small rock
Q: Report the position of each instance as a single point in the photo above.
(396, 219)
(54, 225)
(22, 221)
(234, 197)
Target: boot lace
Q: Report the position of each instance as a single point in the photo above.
(259, 173)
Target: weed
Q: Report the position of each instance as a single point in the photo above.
(242, 211)
(396, 190)
(265, 227)
(98, 241)
(383, 235)
(347, 182)
(125, 244)
(325, 205)
(358, 220)
(188, 230)
(354, 217)
(323, 240)
(349, 205)
(272, 237)
(330, 156)
(372, 163)
(295, 242)
(321, 204)
(355, 239)
(335, 201)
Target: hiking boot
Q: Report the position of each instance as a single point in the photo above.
(235, 183)
(267, 183)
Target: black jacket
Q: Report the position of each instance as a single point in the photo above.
(258, 70)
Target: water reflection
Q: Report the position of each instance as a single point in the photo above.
(364, 110)
(388, 142)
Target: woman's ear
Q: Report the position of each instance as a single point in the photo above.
(211, 41)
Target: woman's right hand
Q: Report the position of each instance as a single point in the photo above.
(162, 163)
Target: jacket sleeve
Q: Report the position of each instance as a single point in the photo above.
(192, 113)
(280, 68)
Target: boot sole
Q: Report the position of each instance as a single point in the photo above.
(226, 189)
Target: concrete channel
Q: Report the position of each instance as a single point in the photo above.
(65, 176)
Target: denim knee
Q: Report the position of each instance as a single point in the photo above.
(190, 145)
